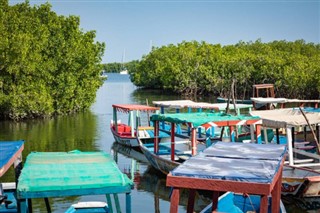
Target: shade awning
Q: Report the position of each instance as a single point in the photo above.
(125, 108)
(283, 118)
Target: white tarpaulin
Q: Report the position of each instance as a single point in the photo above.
(283, 118)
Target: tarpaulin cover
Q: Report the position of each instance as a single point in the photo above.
(8, 151)
(235, 161)
(197, 119)
(199, 105)
(70, 171)
(129, 107)
(283, 118)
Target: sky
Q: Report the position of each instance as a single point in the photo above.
(129, 28)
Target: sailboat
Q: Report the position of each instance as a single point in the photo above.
(123, 70)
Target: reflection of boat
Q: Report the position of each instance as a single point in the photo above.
(130, 152)
(127, 134)
(10, 155)
(166, 157)
(301, 176)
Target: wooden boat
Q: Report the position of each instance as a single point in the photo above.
(88, 207)
(236, 167)
(284, 102)
(126, 134)
(301, 176)
(165, 157)
(238, 203)
(75, 173)
(11, 152)
(238, 101)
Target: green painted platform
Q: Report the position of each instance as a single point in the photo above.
(60, 174)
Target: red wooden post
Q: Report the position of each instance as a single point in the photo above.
(174, 202)
(215, 198)
(264, 204)
(192, 194)
(276, 194)
(172, 141)
(193, 141)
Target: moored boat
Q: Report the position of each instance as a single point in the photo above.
(11, 154)
(253, 169)
(240, 203)
(301, 173)
(63, 174)
(126, 134)
(165, 157)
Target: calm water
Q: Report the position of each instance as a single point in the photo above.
(90, 131)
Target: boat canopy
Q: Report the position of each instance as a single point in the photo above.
(49, 174)
(281, 100)
(10, 151)
(236, 162)
(125, 108)
(283, 118)
(177, 104)
(205, 119)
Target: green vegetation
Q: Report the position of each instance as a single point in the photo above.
(193, 68)
(47, 64)
(117, 67)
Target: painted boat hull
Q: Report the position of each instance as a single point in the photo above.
(125, 140)
(237, 203)
(238, 101)
(162, 164)
(297, 181)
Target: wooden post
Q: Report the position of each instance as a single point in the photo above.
(311, 129)
(128, 203)
(156, 138)
(265, 135)
(172, 141)
(193, 141)
(215, 198)
(278, 136)
(190, 206)
(276, 194)
(174, 201)
(115, 119)
(131, 123)
(258, 133)
(264, 204)
(252, 132)
(290, 150)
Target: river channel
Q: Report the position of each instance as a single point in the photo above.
(90, 131)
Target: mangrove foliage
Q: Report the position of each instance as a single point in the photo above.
(48, 65)
(200, 68)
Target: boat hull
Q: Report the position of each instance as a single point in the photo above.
(160, 163)
(232, 202)
(125, 140)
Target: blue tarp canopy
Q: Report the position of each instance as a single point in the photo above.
(235, 161)
(9, 152)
